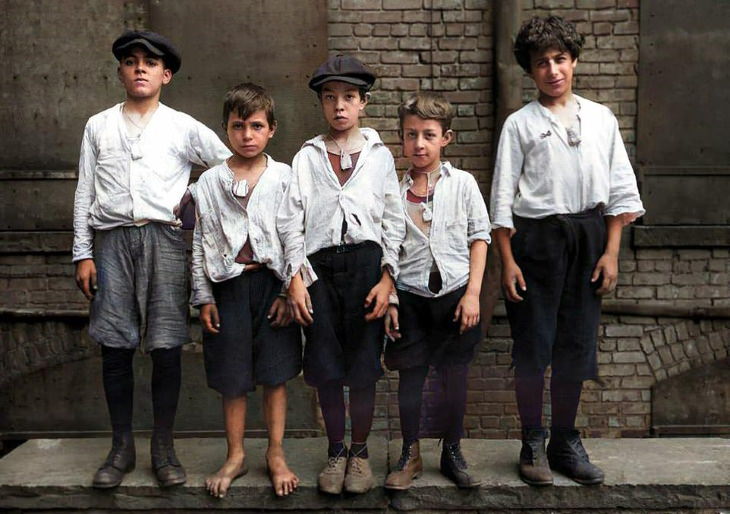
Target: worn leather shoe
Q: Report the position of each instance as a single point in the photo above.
(358, 476)
(408, 468)
(534, 468)
(120, 460)
(331, 479)
(454, 467)
(566, 454)
(167, 468)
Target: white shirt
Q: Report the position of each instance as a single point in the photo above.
(311, 216)
(127, 181)
(223, 226)
(459, 218)
(537, 173)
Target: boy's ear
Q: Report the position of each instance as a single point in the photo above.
(166, 76)
(273, 129)
(448, 138)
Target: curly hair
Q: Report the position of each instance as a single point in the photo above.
(540, 34)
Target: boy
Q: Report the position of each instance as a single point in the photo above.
(237, 277)
(134, 166)
(563, 189)
(441, 268)
(343, 212)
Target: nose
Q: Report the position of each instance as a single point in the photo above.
(420, 141)
(553, 67)
(339, 104)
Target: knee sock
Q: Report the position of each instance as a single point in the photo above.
(410, 397)
(529, 400)
(362, 405)
(564, 399)
(118, 378)
(166, 378)
(455, 377)
(332, 401)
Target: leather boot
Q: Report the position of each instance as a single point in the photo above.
(120, 460)
(408, 468)
(454, 467)
(566, 454)
(534, 468)
(167, 468)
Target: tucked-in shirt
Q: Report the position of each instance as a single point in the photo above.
(459, 218)
(126, 181)
(316, 205)
(223, 226)
(538, 174)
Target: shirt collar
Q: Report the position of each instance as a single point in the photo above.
(547, 113)
(446, 169)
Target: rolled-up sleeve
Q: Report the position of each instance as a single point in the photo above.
(202, 288)
(623, 195)
(290, 225)
(507, 170)
(83, 244)
(478, 226)
(393, 222)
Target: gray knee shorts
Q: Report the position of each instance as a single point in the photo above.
(142, 295)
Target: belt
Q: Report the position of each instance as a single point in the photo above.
(344, 248)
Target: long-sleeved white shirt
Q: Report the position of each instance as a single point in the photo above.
(310, 218)
(127, 181)
(537, 173)
(223, 226)
(459, 217)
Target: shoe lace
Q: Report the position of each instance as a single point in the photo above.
(355, 465)
(456, 456)
(405, 456)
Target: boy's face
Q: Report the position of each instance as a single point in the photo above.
(248, 137)
(142, 74)
(552, 71)
(341, 105)
(423, 141)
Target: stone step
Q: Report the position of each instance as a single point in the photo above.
(669, 475)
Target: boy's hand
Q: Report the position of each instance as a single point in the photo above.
(380, 293)
(209, 318)
(300, 305)
(608, 267)
(86, 277)
(392, 329)
(278, 314)
(468, 311)
(511, 279)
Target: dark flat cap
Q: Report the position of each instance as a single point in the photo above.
(156, 44)
(343, 68)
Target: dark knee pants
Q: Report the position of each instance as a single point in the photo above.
(557, 322)
(340, 344)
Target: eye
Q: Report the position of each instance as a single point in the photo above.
(151, 62)
(128, 61)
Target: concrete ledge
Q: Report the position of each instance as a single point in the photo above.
(671, 475)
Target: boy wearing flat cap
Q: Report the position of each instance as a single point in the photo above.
(343, 212)
(128, 247)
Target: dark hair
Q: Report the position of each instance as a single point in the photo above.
(127, 52)
(364, 91)
(245, 99)
(540, 34)
(427, 106)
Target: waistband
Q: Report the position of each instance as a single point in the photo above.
(596, 212)
(345, 248)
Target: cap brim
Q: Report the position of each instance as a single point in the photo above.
(140, 42)
(355, 81)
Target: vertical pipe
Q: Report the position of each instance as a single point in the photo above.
(507, 99)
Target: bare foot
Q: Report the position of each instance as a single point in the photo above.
(282, 478)
(218, 483)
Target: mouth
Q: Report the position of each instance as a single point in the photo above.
(554, 83)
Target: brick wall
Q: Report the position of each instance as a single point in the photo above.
(447, 45)
(440, 45)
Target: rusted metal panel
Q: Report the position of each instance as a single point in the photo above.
(684, 111)
(274, 43)
(58, 70)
